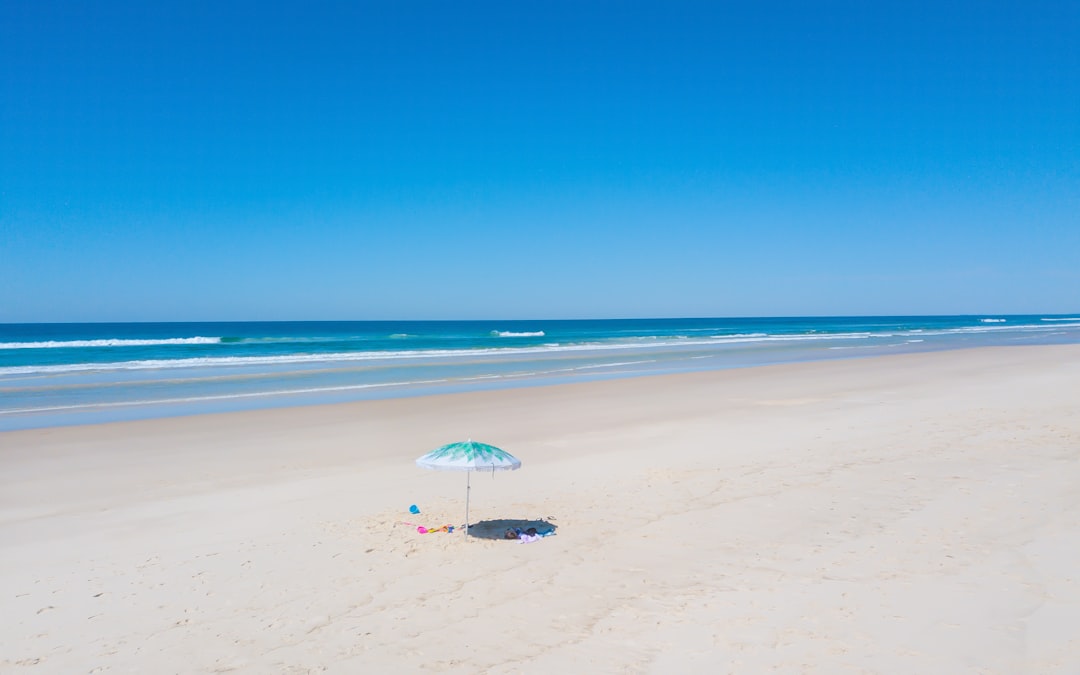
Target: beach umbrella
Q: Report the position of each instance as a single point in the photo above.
(469, 456)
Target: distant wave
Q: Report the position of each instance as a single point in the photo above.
(399, 336)
(993, 320)
(72, 344)
(1071, 318)
(506, 333)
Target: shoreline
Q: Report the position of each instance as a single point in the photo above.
(86, 374)
(902, 513)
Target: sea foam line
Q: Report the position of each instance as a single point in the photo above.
(309, 390)
(117, 342)
(613, 365)
(219, 397)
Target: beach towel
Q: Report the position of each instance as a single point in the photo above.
(430, 530)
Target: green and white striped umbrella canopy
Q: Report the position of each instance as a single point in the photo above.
(469, 456)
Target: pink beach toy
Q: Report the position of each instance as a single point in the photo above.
(422, 529)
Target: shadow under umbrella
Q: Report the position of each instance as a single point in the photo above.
(469, 456)
(496, 529)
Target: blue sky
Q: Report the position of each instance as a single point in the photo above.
(270, 160)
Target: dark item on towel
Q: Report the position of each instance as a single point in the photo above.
(515, 532)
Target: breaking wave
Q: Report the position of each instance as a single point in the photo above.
(74, 344)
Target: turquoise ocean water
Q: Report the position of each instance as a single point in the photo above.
(59, 374)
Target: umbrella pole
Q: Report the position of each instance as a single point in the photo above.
(468, 476)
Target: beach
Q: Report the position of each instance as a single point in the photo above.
(894, 514)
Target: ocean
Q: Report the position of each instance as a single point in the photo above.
(62, 374)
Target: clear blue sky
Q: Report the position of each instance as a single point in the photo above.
(313, 160)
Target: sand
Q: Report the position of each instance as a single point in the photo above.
(916, 513)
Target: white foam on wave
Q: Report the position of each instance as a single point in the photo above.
(741, 335)
(613, 365)
(1069, 318)
(993, 320)
(507, 333)
(72, 344)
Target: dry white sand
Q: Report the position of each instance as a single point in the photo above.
(908, 514)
